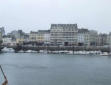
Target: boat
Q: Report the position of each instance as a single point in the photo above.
(105, 54)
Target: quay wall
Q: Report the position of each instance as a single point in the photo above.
(61, 48)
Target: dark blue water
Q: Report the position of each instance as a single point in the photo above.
(55, 69)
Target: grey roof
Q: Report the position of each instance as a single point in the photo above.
(83, 30)
(43, 31)
(65, 25)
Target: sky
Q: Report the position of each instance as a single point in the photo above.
(40, 14)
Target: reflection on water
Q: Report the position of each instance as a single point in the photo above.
(56, 69)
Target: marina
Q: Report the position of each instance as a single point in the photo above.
(55, 42)
(11, 50)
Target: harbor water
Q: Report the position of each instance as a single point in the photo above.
(55, 69)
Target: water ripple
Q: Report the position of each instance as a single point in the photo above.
(24, 66)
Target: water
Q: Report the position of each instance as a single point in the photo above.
(56, 69)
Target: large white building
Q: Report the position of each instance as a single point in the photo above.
(64, 34)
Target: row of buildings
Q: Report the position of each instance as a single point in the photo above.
(58, 34)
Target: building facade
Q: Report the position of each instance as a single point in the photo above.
(2, 31)
(1, 38)
(19, 36)
(33, 36)
(44, 36)
(64, 34)
(93, 37)
(40, 37)
(109, 39)
(102, 39)
(83, 37)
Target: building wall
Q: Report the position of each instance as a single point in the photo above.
(83, 37)
(109, 39)
(102, 39)
(47, 38)
(63, 34)
(0, 36)
(2, 30)
(93, 37)
(7, 41)
(18, 36)
(33, 36)
(42, 36)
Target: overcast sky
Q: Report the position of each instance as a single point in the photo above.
(40, 14)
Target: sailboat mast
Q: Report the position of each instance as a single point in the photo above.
(6, 81)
